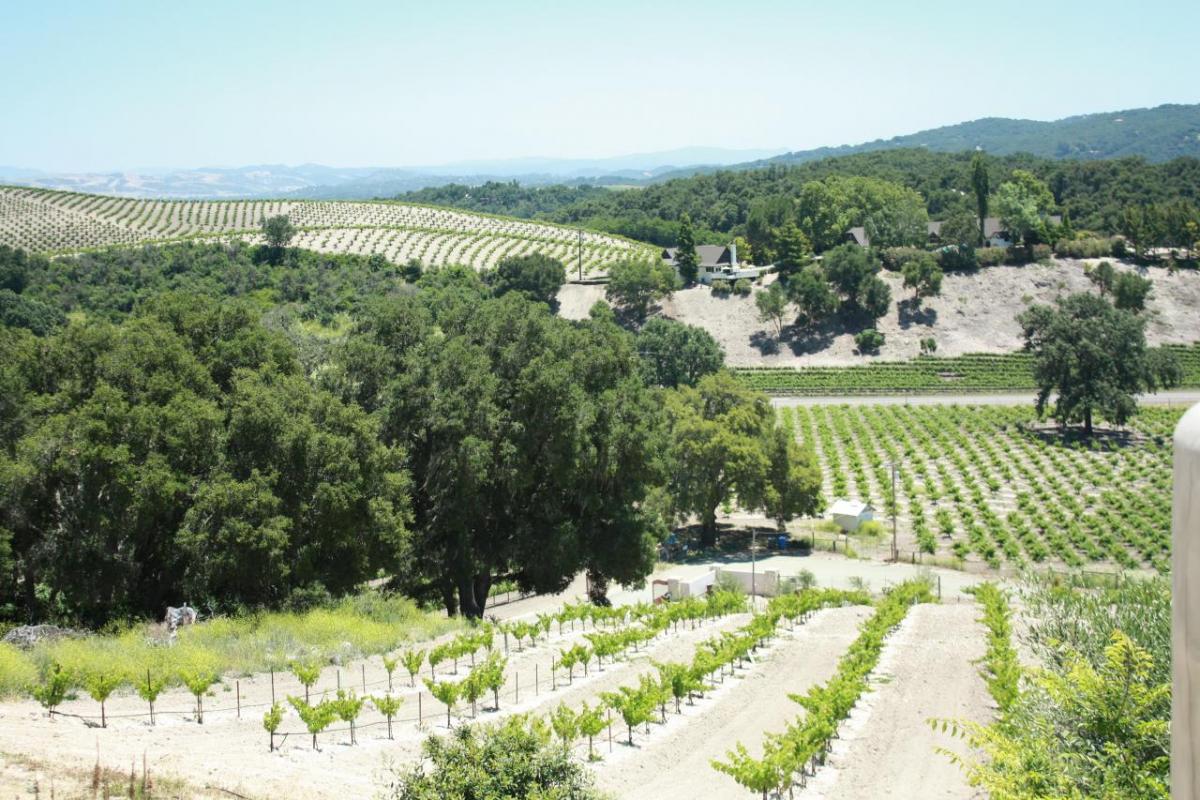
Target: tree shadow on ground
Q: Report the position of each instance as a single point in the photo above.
(765, 342)
(733, 544)
(629, 319)
(806, 341)
(1103, 437)
(911, 313)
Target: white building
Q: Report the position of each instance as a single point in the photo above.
(718, 262)
(849, 514)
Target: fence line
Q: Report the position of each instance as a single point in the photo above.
(512, 686)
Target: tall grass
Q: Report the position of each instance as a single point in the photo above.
(17, 670)
(355, 627)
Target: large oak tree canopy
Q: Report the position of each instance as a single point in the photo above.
(532, 441)
(1092, 358)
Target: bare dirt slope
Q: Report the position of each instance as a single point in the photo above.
(886, 748)
(975, 313)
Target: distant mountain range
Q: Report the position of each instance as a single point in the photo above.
(315, 181)
(1155, 134)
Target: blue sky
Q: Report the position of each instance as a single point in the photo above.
(105, 85)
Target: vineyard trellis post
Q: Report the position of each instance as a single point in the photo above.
(893, 507)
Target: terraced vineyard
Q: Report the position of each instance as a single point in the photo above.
(983, 483)
(40, 220)
(983, 372)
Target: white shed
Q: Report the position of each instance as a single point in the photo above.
(849, 514)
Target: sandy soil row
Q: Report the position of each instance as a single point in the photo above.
(886, 748)
(674, 761)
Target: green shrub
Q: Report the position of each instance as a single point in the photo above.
(869, 341)
(1084, 248)
(894, 258)
(991, 256)
(720, 287)
(871, 528)
(511, 761)
(958, 258)
(741, 287)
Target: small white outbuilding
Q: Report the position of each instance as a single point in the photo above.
(849, 514)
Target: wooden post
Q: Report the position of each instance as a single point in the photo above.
(148, 691)
(364, 677)
(420, 714)
(272, 686)
(238, 685)
(339, 679)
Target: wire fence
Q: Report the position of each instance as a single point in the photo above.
(420, 705)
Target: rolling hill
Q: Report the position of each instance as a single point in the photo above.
(44, 221)
(1155, 134)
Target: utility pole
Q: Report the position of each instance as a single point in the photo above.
(579, 259)
(753, 568)
(894, 504)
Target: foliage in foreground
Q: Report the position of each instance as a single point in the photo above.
(1080, 732)
(1094, 722)
(514, 760)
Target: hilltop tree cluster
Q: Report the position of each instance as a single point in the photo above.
(825, 197)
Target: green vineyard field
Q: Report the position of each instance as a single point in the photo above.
(974, 372)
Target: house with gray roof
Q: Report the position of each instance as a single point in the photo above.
(717, 262)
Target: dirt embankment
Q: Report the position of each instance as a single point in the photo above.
(976, 312)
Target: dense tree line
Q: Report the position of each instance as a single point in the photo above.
(111, 283)
(161, 446)
(508, 198)
(1093, 194)
(183, 453)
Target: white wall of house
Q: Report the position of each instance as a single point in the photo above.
(708, 275)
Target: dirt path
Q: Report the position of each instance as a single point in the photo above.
(886, 748)
(673, 762)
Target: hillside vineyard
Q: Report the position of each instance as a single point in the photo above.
(62, 222)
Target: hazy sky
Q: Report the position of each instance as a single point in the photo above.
(94, 85)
